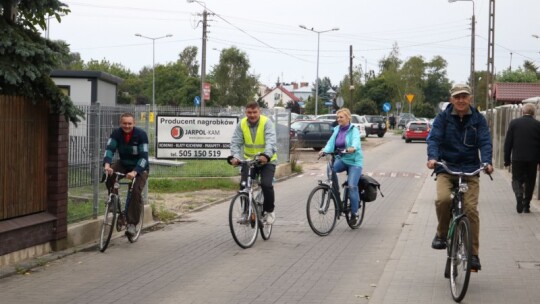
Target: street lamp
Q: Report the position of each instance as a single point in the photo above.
(153, 66)
(318, 45)
(47, 31)
(473, 24)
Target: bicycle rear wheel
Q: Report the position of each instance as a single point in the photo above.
(138, 227)
(108, 224)
(265, 228)
(243, 221)
(361, 211)
(321, 210)
(460, 259)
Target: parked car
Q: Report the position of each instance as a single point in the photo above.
(416, 130)
(357, 120)
(404, 119)
(376, 125)
(310, 134)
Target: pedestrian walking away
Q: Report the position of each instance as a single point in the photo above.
(459, 133)
(346, 137)
(255, 134)
(132, 146)
(522, 152)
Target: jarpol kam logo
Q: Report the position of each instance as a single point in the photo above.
(177, 132)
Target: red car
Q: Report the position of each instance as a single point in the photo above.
(416, 130)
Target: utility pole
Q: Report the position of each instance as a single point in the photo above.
(473, 76)
(490, 63)
(203, 60)
(351, 87)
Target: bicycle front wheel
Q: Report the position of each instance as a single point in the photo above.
(139, 226)
(361, 211)
(460, 259)
(243, 220)
(108, 224)
(321, 210)
(264, 227)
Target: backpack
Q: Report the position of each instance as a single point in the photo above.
(368, 186)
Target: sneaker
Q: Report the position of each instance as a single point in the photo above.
(270, 217)
(243, 219)
(438, 243)
(475, 263)
(131, 229)
(353, 220)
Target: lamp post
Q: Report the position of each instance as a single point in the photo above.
(473, 25)
(153, 66)
(318, 45)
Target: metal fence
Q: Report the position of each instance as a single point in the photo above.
(87, 142)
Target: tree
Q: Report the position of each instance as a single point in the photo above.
(517, 75)
(188, 57)
(436, 85)
(294, 106)
(233, 84)
(28, 59)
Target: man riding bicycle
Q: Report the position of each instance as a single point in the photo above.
(255, 134)
(132, 145)
(458, 133)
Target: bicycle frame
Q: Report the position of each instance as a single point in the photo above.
(331, 157)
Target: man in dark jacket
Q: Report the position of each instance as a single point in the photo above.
(522, 147)
(458, 133)
(132, 146)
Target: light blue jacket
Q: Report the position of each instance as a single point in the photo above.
(352, 139)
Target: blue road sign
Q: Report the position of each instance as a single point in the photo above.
(197, 100)
(328, 103)
(386, 106)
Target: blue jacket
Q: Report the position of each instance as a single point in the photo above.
(457, 141)
(352, 139)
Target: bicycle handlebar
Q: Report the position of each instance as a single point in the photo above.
(483, 167)
(337, 152)
(104, 175)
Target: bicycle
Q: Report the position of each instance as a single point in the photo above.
(246, 215)
(324, 205)
(115, 217)
(459, 238)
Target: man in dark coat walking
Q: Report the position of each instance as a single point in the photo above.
(522, 150)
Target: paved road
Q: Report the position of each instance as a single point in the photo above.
(388, 260)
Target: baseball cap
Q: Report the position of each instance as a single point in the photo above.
(460, 88)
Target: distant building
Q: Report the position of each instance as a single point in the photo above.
(279, 95)
(514, 92)
(88, 87)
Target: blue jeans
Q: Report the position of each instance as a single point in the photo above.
(354, 173)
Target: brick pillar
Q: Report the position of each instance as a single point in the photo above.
(57, 177)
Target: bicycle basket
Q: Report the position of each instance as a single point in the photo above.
(368, 188)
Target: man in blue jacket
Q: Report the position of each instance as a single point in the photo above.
(132, 146)
(458, 133)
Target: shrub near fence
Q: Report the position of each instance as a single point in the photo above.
(87, 144)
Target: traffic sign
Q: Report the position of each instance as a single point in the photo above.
(410, 97)
(328, 103)
(340, 101)
(386, 106)
(197, 100)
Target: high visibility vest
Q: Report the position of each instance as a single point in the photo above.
(252, 148)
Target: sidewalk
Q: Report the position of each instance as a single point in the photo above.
(509, 252)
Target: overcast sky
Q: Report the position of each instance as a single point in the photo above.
(269, 33)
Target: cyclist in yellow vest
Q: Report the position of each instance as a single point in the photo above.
(256, 134)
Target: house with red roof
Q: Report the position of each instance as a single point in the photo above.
(279, 95)
(514, 92)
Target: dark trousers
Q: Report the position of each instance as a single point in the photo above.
(523, 179)
(135, 202)
(267, 178)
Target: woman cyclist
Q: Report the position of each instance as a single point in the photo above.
(346, 138)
